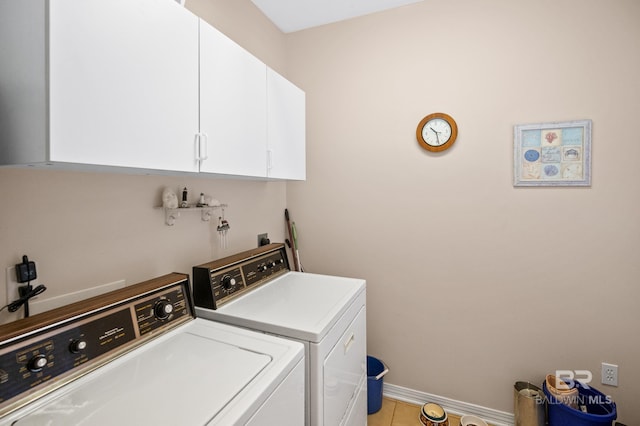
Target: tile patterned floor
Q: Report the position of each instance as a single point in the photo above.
(398, 413)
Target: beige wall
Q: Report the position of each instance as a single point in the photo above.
(472, 283)
(89, 229)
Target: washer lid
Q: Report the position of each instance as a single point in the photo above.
(299, 305)
(156, 385)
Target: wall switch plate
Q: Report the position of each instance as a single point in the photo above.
(13, 284)
(609, 374)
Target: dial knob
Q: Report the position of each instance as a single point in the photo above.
(37, 363)
(77, 345)
(227, 282)
(271, 264)
(162, 309)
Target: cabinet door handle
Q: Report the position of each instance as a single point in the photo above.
(349, 342)
(269, 159)
(204, 140)
(196, 146)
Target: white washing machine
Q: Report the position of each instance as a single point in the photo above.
(256, 290)
(139, 356)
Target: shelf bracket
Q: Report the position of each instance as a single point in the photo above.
(206, 214)
(170, 216)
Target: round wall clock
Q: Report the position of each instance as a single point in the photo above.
(437, 132)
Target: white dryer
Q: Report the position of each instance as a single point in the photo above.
(138, 356)
(256, 290)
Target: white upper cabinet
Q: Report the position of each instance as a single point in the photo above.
(121, 84)
(233, 106)
(140, 84)
(252, 120)
(285, 128)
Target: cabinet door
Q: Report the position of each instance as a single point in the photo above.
(285, 128)
(233, 106)
(344, 370)
(123, 83)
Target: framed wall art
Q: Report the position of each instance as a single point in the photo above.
(552, 154)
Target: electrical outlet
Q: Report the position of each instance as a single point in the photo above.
(263, 239)
(609, 374)
(13, 284)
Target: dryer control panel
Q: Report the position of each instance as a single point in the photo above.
(43, 352)
(219, 281)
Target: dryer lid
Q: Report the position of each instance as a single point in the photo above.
(299, 305)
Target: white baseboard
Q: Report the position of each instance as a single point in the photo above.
(459, 408)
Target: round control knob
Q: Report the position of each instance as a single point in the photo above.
(271, 264)
(37, 363)
(227, 282)
(262, 268)
(77, 346)
(162, 309)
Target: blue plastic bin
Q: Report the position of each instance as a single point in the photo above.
(375, 373)
(601, 411)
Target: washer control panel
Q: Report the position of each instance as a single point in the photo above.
(37, 360)
(219, 281)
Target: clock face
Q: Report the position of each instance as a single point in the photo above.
(437, 132)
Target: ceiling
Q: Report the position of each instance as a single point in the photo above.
(295, 15)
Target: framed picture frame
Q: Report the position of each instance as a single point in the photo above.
(552, 154)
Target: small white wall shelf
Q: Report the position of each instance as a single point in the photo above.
(170, 215)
